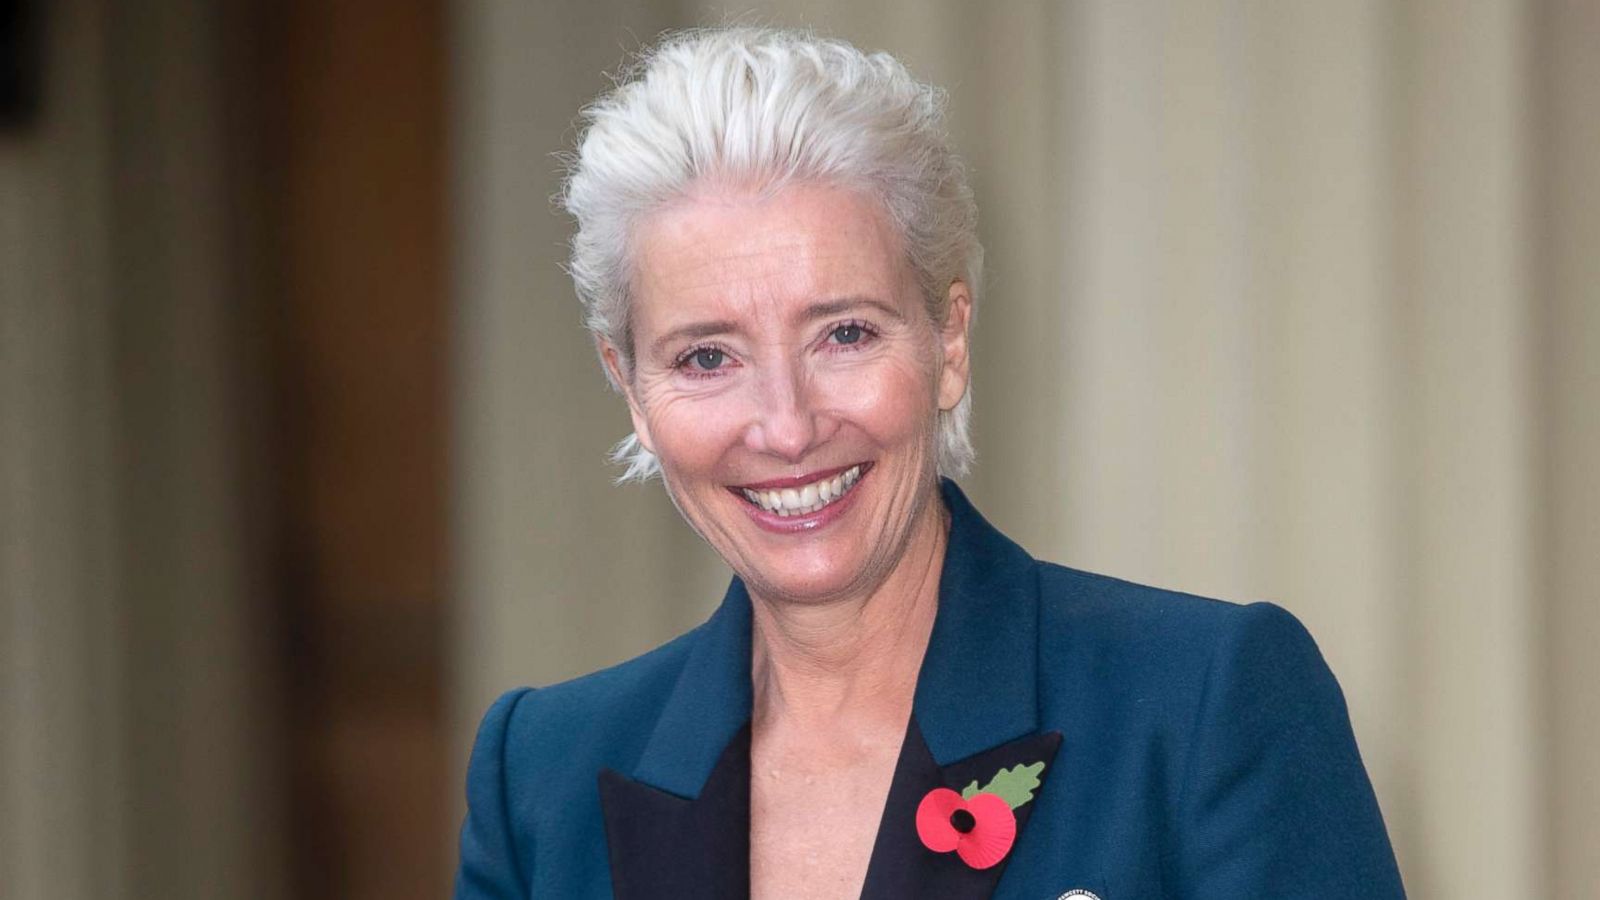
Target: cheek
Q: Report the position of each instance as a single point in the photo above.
(892, 400)
(693, 431)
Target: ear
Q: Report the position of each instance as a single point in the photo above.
(619, 377)
(956, 344)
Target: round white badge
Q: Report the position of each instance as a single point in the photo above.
(1079, 894)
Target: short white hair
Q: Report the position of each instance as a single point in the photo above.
(767, 107)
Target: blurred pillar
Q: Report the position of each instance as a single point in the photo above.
(1462, 208)
(356, 148)
(63, 817)
(1566, 248)
(135, 729)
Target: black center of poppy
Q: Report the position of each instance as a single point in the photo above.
(962, 821)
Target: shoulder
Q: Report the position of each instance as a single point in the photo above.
(1172, 657)
(535, 760)
(600, 718)
(1119, 620)
(1241, 724)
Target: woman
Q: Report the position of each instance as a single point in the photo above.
(777, 253)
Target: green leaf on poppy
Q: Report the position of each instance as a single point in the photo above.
(1014, 785)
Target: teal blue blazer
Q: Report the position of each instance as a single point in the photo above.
(1192, 748)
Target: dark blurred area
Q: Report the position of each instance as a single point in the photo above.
(350, 100)
(238, 210)
(20, 63)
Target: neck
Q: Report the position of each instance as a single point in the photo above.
(851, 661)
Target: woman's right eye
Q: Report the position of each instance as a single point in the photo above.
(707, 359)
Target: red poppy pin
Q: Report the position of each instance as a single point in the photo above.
(978, 823)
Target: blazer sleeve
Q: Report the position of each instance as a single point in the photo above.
(490, 868)
(1275, 801)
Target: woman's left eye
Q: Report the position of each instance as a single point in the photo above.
(850, 333)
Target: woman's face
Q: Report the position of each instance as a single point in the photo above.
(789, 379)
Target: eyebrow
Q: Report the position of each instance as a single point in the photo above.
(820, 310)
(692, 331)
(834, 307)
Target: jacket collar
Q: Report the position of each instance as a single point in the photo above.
(680, 825)
(707, 707)
(977, 688)
(979, 680)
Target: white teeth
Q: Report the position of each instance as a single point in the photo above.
(805, 500)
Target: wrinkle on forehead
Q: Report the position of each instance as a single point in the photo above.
(725, 255)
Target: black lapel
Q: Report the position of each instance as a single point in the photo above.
(901, 866)
(663, 845)
(678, 824)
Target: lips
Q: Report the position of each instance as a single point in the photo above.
(805, 495)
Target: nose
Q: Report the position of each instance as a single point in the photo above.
(788, 422)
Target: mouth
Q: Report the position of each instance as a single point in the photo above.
(795, 497)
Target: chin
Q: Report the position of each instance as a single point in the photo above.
(809, 580)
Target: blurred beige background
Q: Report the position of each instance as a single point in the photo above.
(1286, 300)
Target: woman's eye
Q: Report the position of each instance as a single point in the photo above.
(708, 359)
(848, 334)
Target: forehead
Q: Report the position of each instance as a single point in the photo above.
(737, 253)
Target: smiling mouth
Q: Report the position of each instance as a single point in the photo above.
(804, 499)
